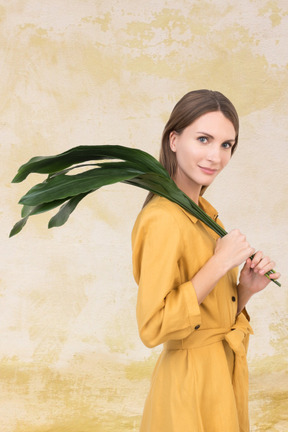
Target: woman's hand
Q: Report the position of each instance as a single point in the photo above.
(230, 251)
(233, 249)
(252, 277)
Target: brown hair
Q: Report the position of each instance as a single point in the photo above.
(191, 106)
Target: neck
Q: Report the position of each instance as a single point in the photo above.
(191, 190)
(193, 196)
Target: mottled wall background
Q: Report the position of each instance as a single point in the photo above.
(92, 72)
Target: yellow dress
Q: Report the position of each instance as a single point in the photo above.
(200, 382)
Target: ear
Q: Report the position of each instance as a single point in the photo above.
(173, 140)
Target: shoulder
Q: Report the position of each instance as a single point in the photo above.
(160, 217)
(161, 209)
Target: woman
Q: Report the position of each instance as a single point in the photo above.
(189, 299)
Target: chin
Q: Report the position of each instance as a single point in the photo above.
(207, 183)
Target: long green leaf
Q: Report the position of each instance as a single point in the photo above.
(64, 186)
(123, 165)
(76, 155)
(34, 210)
(63, 214)
(28, 211)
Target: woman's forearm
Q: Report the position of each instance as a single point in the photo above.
(207, 277)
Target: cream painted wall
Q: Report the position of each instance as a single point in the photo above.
(92, 72)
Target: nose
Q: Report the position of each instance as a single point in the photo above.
(214, 154)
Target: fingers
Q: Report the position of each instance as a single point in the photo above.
(262, 264)
(234, 249)
(274, 276)
(256, 259)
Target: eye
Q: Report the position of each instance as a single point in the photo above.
(203, 139)
(227, 145)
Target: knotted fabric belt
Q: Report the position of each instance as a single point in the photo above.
(237, 340)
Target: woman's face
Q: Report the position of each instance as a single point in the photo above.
(202, 150)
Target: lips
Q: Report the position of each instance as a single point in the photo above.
(208, 171)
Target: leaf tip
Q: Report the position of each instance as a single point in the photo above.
(17, 179)
(18, 226)
(13, 232)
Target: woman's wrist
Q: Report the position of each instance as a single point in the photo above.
(244, 295)
(221, 264)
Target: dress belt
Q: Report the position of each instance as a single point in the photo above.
(236, 337)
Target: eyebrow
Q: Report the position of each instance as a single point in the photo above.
(211, 136)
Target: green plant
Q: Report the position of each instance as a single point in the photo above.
(110, 164)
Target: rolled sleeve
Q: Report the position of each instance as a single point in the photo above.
(193, 308)
(167, 306)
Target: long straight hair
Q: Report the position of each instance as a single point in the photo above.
(190, 107)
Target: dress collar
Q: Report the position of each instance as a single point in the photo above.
(206, 206)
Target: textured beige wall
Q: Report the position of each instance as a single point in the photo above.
(92, 72)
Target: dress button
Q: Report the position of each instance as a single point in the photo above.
(197, 327)
(233, 298)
